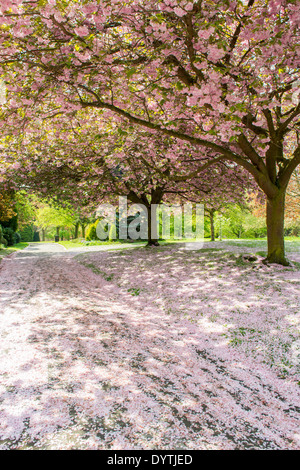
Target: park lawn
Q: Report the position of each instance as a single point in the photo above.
(69, 244)
(259, 246)
(11, 249)
(80, 243)
(291, 243)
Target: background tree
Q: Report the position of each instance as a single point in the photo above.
(48, 216)
(293, 199)
(7, 206)
(85, 166)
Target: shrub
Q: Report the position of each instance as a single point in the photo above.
(17, 237)
(11, 223)
(3, 240)
(259, 232)
(9, 235)
(27, 233)
(91, 233)
(36, 237)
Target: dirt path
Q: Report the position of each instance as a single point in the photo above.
(84, 365)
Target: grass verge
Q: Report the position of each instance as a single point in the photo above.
(11, 249)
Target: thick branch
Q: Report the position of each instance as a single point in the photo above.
(226, 153)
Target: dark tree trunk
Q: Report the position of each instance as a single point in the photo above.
(152, 227)
(76, 230)
(275, 229)
(43, 234)
(83, 230)
(156, 198)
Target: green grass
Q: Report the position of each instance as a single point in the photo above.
(134, 291)
(291, 243)
(11, 249)
(77, 243)
(107, 277)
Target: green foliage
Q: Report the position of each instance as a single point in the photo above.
(8, 234)
(236, 216)
(26, 208)
(112, 233)
(186, 222)
(292, 227)
(27, 233)
(50, 216)
(11, 223)
(91, 233)
(206, 227)
(237, 221)
(17, 238)
(3, 240)
(36, 237)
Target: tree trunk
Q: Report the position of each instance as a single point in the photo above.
(152, 226)
(43, 234)
(212, 225)
(76, 230)
(275, 229)
(83, 230)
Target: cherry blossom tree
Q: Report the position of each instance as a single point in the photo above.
(222, 77)
(83, 165)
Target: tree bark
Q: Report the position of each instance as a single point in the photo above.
(152, 227)
(275, 229)
(76, 230)
(151, 207)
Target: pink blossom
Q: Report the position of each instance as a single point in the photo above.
(81, 31)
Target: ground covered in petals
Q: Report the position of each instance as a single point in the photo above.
(158, 348)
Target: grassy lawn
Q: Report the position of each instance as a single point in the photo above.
(79, 243)
(291, 243)
(11, 249)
